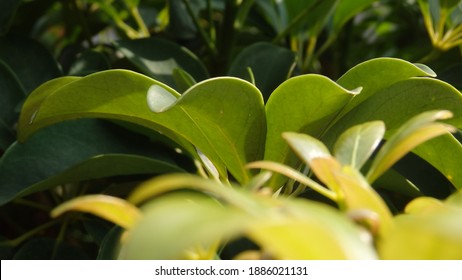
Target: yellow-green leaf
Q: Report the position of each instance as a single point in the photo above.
(113, 209)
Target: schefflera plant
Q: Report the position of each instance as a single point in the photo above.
(224, 125)
(198, 225)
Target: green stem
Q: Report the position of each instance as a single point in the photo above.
(144, 31)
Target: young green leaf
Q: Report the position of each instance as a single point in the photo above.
(113, 209)
(414, 132)
(356, 145)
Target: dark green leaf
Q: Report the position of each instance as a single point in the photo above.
(29, 60)
(89, 62)
(270, 65)
(49, 249)
(11, 93)
(110, 245)
(7, 13)
(76, 151)
(158, 59)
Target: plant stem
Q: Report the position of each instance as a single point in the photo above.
(144, 31)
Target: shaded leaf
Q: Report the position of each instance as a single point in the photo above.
(110, 244)
(29, 60)
(346, 10)
(159, 58)
(76, 151)
(12, 93)
(269, 63)
(89, 62)
(7, 13)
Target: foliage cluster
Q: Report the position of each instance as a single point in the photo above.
(270, 128)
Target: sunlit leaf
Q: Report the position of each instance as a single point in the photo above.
(356, 145)
(181, 227)
(425, 236)
(414, 132)
(306, 104)
(223, 117)
(113, 209)
(310, 231)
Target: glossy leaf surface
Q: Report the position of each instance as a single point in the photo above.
(305, 104)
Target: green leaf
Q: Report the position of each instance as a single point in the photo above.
(111, 244)
(269, 63)
(414, 132)
(306, 104)
(159, 58)
(309, 231)
(89, 62)
(395, 182)
(75, 151)
(346, 10)
(425, 236)
(392, 106)
(356, 145)
(12, 94)
(377, 74)
(354, 192)
(307, 16)
(223, 117)
(183, 80)
(175, 226)
(29, 60)
(113, 209)
(7, 13)
(444, 153)
(306, 147)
